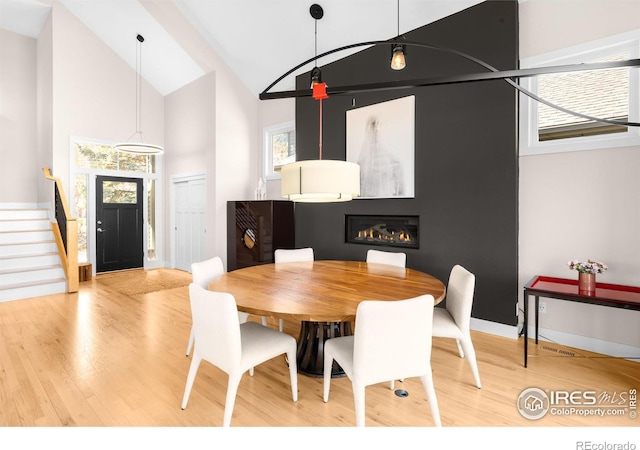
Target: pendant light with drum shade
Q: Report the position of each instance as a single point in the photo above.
(132, 145)
(320, 180)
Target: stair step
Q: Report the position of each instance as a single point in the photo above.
(20, 237)
(27, 248)
(21, 291)
(27, 261)
(30, 275)
(23, 213)
(24, 224)
(29, 269)
(24, 284)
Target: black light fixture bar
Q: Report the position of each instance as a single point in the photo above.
(452, 79)
(493, 74)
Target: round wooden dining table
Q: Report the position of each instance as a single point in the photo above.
(323, 295)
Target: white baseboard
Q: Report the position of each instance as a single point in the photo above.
(155, 264)
(570, 340)
(499, 329)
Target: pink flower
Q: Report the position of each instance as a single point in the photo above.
(591, 266)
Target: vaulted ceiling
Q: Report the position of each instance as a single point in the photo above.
(258, 39)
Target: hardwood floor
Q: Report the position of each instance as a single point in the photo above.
(101, 358)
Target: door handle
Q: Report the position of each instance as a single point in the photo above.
(100, 230)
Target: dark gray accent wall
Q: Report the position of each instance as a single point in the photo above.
(466, 156)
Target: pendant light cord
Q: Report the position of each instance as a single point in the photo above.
(139, 86)
(398, 18)
(320, 132)
(320, 101)
(138, 98)
(130, 146)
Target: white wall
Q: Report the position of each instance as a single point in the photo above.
(580, 205)
(231, 121)
(18, 139)
(272, 112)
(547, 25)
(44, 111)
(190, 127)
(190, 140)
(94, 92)
(236, 149)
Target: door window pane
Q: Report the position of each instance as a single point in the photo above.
(119, 192)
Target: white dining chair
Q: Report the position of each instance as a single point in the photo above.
(282, 255)
(398, 259)
(234, 348)
(392, 340)
(203, 273)
(382, 257)
(454, 319)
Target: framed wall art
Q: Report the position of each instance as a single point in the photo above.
(381, 139)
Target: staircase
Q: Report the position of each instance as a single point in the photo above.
(29, 262)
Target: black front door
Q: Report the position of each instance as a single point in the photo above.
(119, 223)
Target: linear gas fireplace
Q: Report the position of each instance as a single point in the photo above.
(392, 231)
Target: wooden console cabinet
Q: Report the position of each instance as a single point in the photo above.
(255, 228)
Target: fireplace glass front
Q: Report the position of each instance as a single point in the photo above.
(391, 231)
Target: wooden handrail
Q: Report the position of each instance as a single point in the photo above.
(65, 230)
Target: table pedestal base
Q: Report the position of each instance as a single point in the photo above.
(310, 355)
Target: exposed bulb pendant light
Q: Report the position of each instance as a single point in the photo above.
(133, 146)
(321, 180)
(397, 57)
(398, 50)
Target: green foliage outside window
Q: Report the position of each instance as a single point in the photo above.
(283, 146)
(99, 156)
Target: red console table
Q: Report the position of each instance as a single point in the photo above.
(614, 295)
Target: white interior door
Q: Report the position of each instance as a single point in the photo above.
(190, 222)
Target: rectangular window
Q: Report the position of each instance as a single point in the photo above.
(279, 148)
(81, 216)
(597, 93)
(151, 220)
(610, 94)
(90, 155)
